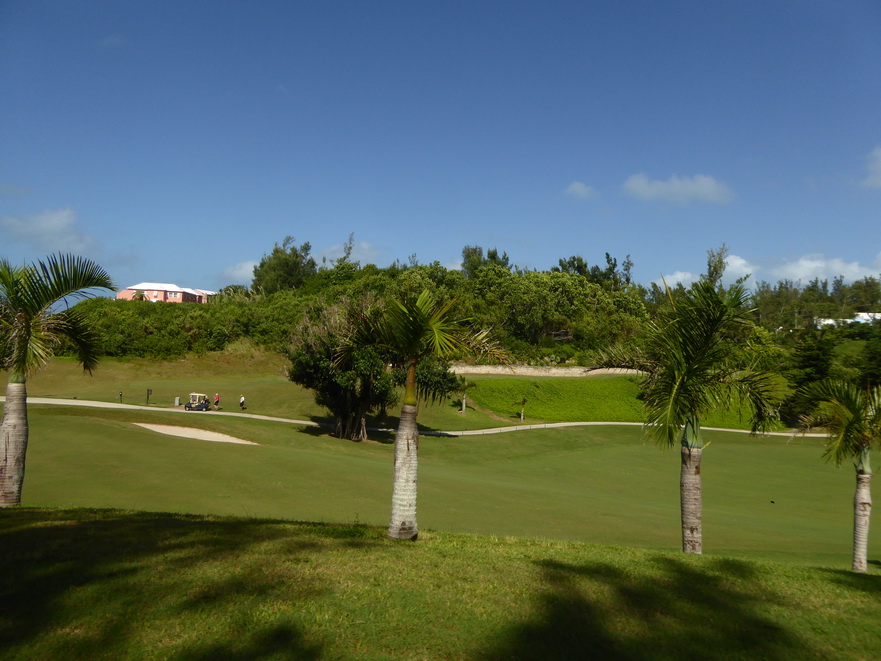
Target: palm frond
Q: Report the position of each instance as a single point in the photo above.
(692, 364)
(32, 330)
(850, 415)
(58, 278)
(75, 328)
(415, 328)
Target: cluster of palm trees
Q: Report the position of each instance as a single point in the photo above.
(695, 358)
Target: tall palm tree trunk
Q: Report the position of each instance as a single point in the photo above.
(862, 508)
(13, 443)
(690, 498)
(403, 521)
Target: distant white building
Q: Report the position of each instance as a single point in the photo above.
(164, 292)
(859, 317)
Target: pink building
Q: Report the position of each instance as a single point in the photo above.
(168, 293)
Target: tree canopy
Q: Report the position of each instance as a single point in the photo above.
(288, 266)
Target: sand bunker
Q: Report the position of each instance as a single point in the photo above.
(190, 432)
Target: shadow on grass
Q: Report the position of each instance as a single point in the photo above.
(284, 642)
(384, 436)
(682, 611)
(868, 583)
(80, 584)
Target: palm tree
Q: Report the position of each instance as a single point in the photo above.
(852, 418)
(31, 329)
(464, 385)
(413, 329)
(694, 361)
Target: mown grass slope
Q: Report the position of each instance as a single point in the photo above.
(763, 498)
(605, 398)
(261, 378)
(110, 584)
(257, 375)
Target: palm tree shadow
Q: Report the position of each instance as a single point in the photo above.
(681, 612)
(868, 583)
(283, 641)
(379, 435)
(141, 561)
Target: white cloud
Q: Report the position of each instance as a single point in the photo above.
(873, 178)
(803, 270)
(685, 277)
(677, 189)
(240, 274)
(808, 267)
(738, 267)
(49, 231)
(580, 190)
(735, 267)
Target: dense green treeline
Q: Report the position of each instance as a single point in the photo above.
(564, 315)
(789, 304)
(551, 316)
(165, 330)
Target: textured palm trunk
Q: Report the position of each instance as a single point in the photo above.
(362, 428)
(403, 521)
(463, 403)
(13, 444)
(862, 508)
(690, 498)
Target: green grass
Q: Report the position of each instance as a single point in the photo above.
(600, 398)
(261, 378)
(605, 398)
(533, 584)
(110, 584)
(763, 498)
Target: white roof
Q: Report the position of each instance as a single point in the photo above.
(861, 317)
(155, 286)
(166, 286)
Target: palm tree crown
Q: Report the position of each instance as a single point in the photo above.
(30, 328)
(695, 360)
(422, 326)
(851, 416)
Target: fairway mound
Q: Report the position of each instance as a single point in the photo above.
(193, 433)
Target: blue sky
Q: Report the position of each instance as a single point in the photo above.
(178, 141)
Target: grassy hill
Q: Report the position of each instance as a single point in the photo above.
(763, 498)
(110, 584)
(261, 378)
(539, 544)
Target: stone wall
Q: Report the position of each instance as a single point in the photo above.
(532, 370)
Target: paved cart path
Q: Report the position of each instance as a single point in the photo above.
(310, 423)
